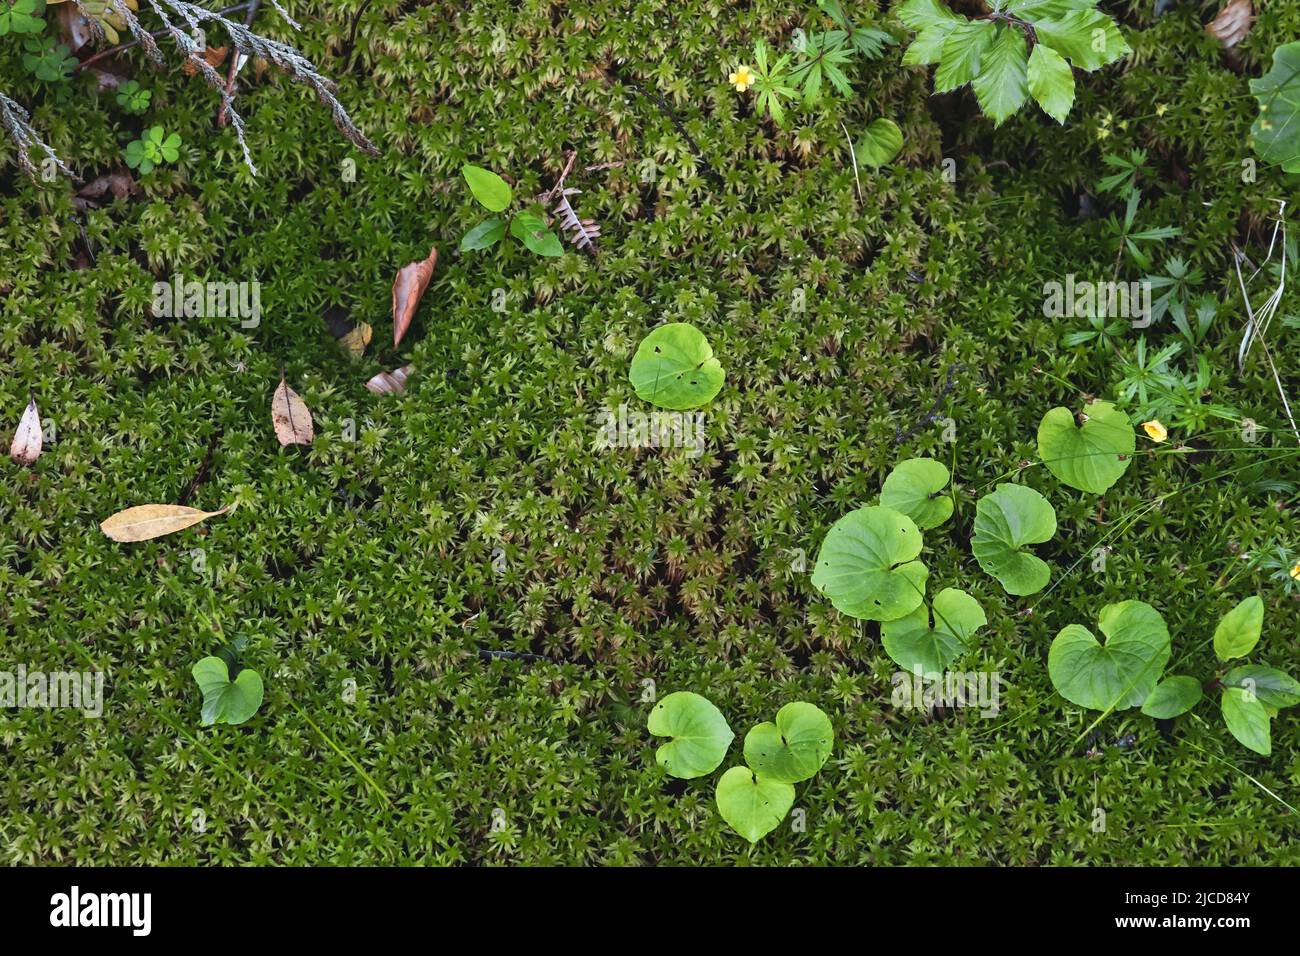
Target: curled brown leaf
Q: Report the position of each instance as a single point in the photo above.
(1232, 23)
(412, 279)
(391, 383)
(26, 446)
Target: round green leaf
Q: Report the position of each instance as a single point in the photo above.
(1091, 457)
(1172, 697)
(1239, 629)
(792, 749)
(699, 732)
(880, 143)
(1272, 687)
(915, 487)
(1120, 674)
(754, 806)
(1276, 131)
(1246, 719)
(226, 701)
(915, 645)
(674, 367)
(487, 233)
(1005, 521)
(865, 565)
(488, 188)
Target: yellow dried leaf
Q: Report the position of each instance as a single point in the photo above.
(152, 521)
(355, 341)
(291, 417)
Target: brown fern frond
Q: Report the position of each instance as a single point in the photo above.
(582, 232)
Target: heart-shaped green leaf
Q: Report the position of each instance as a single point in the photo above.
(865, 565)
(488, 188)
(226, 701)
(699, 732)
(754, 806)
(1091, 457)
(880, 142)
(674, 367)
(1005, 521)
(1120, 674)
(915, 645)
(1276, 131)
(1247, 720)
(1238, 631)
(792, 749)
(915, 488)
(1172, 697)
(1272, 687)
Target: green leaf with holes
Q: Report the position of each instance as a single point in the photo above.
(792, 749)
(674, 367)
(753, 806)
(1006, 521)
(915, 488)
(866, 565)
(914, 644)
(700, 734)
(1119, 674)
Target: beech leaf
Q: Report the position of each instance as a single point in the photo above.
(26, 447)
(412, 279)
(153, 521)
(291, 417)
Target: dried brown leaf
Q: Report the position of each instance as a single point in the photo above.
(26, 447)
(152, 521)
(291, 417)
(412, 279)
(214, 56)
(355, 341)
(1232, 23)
(391, 383)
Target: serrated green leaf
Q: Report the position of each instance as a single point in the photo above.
(1001, 87)
(1087, 38)
(1051, 82)
(962, 50)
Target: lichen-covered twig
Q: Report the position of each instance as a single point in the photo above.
(15, 122)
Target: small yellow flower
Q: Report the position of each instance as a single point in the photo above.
(1295, 572)
(742, 79)
(1155, 431)
(1160, 108)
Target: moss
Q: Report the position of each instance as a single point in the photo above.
(373, 560)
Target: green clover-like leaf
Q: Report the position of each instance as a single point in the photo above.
(1091, 457)
(792, 749)
(916, 645)
(752, 805)
(674, 367)
(700, 734)
(866, 567)
(1118, 674)
(915, 488)
(1007, 520)
(226, 701)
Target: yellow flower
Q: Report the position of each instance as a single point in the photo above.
(1160, 109)
(742, 79)
(1295, 572)
(1155, 431)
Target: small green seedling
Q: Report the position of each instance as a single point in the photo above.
(792, 749)
(867, 566)
(1021, 48)
(1093, 456)
(1007, 520)
(751, 805)
(153, 148)
(700, 734)
(1251, 695)
(48, 59)
(227, 701)
(674, 367)
(528, 225)
(132, 97)
(21, 16)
